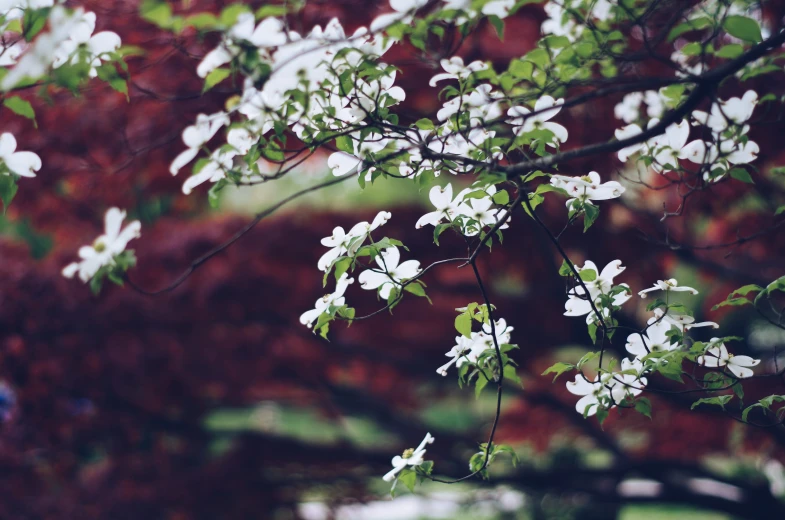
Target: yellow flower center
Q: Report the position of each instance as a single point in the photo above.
(99, 246)
(408, 453)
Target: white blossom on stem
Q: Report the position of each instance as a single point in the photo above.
(587, 188)
(654, 340)
(525, 121)
(196, 135)
(717, 356)
(323, 304)
(411, 457)
(671, 285)
(24, 164)
(455, 69)
(391, 272)
(106, 247)
(341, 242)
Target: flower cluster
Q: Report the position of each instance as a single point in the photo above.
(728, 145)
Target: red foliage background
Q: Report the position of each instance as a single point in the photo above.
(113, 392)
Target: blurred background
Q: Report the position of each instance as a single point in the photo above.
(213, 402)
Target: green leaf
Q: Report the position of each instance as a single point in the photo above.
(691, 25)
(156, 12)
(588, 275)
(8, 189)
(416, 289)
(498, 24)
(565, 269)
(743, 28)
(215, 77)
(409, 478)
(779, 210)
(730, 51)
(591, 212)
(643, 406)
(230, 14)
(721, 401)
(481, 383)
(558, 369)
(501, 197)
(270, 10)
(740, 174)
(463, 324)
(20, 107)
(424, 124)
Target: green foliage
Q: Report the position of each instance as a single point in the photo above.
(743, 28)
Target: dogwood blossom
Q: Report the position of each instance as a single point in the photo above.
(479, 213)
(341, 242)
(411, 457)
(97, 46)
(41, 53)
(717, 356)
(269, 33)
(391, 272)
(24, 164)
(334, 299)
(468, 350)
(446, 206)
(580, 304)
(196, 135)
(731, 111)
(593, 393)
(402, 12)
(455, 69)
(544, 110)
(587, 188)
(682, 321)
(654, 340)
(103, 251)
(666, 149)
(671, 285)
(607, 389)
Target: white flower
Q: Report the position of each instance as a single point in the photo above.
(461, 353)
(718, 356)
(481, 211)
(39, 56)
(97, 45)
(323, 304)
(446, 207)
(666, 149)
(482, 104)
(579, 304)
(411, 457)
(455, 69)
(500, 8)
(607, 389)
(732, 111)
(544, 110)
(219, 163)
(682, 321)
(24, 164)
(592, 394)
(627, 132)
(587, 188)
(628, 110)
(106, 247)
(468, 350)
(341, 242)
(196, 135)
(655, 339)
(402, 13)
(390, 272)
(671, 285)
(269, 33)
